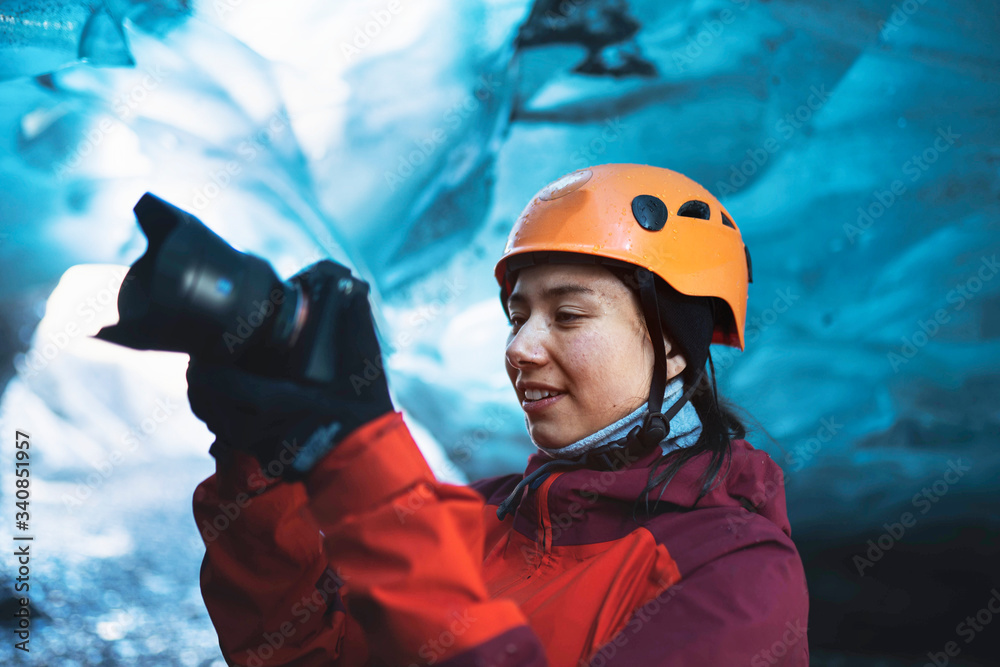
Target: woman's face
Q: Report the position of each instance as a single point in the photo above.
(577, 331)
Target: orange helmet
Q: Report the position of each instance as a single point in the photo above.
(645, 216)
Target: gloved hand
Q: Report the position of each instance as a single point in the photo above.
(290, 424)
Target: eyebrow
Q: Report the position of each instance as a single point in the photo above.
(552, 292)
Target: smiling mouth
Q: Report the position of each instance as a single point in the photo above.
(532, 395)
(529, 405)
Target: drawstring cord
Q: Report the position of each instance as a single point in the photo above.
(643, 433)
(514, 499)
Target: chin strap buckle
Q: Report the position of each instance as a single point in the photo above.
(655, 427)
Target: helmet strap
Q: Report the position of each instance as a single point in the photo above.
(656, 424)
(655, 427)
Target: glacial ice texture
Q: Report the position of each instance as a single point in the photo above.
(854, 143)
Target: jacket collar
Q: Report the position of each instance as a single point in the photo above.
(748, 480)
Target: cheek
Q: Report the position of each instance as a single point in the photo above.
(592, 358)
(607, 363)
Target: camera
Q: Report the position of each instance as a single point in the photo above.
(192, 292)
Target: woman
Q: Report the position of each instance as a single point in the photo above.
(645, 530)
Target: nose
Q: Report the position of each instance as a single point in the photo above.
(526, 347)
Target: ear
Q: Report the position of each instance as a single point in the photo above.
(676, 363)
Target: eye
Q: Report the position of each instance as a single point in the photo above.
(564, 316)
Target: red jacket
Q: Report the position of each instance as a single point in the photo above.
(374, 562)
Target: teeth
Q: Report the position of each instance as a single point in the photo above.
(538, 394)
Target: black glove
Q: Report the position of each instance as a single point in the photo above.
(290, 424)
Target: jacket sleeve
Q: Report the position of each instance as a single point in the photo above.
(372, 551)
(410, 553)
(749, 606)
(265, 578)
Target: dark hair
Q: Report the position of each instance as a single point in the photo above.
(719, 422)
(719, 426)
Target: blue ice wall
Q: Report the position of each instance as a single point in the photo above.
(855, 144)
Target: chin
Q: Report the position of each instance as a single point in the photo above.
(547, 440)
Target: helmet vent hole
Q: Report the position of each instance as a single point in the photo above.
(695, 209)
(727, 222)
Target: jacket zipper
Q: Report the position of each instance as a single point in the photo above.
(544, 518)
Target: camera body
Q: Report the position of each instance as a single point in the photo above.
(192, 292)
